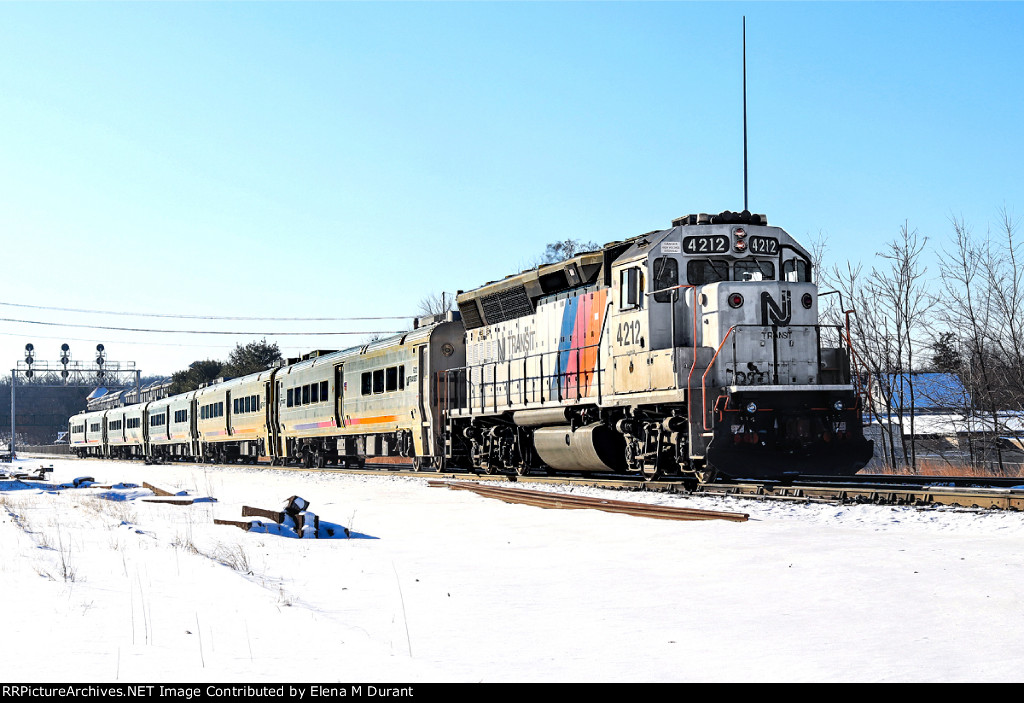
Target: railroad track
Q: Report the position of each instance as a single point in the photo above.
(921, 491)
(921, 494)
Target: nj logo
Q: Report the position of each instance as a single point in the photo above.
(774, 314)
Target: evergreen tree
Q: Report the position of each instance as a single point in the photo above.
(251, 358)
(197, 373)
(946, 354)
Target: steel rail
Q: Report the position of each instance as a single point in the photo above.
(920, 491)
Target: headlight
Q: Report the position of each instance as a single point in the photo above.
(838, 405)
(751, 408)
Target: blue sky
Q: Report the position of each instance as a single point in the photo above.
(346, 159)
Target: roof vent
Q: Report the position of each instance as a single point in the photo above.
(723, 218)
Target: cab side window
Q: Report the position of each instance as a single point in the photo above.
(666, 275)
(796, 271)
(631, 286)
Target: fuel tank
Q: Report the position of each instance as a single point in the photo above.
(595, 447)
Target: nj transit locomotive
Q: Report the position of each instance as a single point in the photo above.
(694, 350)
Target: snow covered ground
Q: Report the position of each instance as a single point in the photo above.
(443, 585)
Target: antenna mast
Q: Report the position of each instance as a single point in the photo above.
(745, 113)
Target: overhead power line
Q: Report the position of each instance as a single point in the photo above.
(236, 333)
(208, 317)
(65, 338)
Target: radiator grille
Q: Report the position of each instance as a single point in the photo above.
(470, 315)
(506, 305)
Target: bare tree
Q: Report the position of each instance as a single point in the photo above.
(566, 249)
(983, 305)
(892, 321)
(966, 310)
(436, 303)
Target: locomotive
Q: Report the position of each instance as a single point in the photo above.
(692, 351)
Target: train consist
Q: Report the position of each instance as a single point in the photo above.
(695, 350)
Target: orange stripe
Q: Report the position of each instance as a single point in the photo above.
(372, 420)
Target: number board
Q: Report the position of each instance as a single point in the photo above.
(706, 244)
(764, 245)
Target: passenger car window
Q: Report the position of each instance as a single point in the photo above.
(378, 381)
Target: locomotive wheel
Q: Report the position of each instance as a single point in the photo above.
(707, 475)
(651, 474)
(426, 463)
(522, 469)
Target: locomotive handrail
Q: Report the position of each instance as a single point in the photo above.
(856, 361)
(775, 360)
(663, 290)
(704, 382)
(477, 392)
(693, 362)
(600, 339)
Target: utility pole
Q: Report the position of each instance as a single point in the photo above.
(11, 445)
